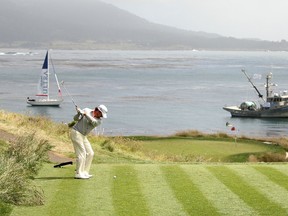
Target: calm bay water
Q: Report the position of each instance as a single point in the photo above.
(149, 92)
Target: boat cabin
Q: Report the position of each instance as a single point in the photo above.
(278, 100)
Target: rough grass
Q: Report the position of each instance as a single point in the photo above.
(19, 163)
(30, 152)
(56, 134)
(186, 146)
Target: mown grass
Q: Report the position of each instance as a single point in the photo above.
(129, 201)
(210, 148)
(248, 193)
(274, 175)
(161, 189)
(187, 192)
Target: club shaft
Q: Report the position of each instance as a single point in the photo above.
(69, 95)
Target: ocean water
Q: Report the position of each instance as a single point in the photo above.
(149, 92)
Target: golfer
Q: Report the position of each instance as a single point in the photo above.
(86, 120)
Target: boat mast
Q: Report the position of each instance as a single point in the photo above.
(48, 74)
(249, 79)
(268, 84)
(56, 78)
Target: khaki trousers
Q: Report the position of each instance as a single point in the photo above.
(84, 152)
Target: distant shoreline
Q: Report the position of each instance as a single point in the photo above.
(121, 46)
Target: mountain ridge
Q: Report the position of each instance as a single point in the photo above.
(98, 25)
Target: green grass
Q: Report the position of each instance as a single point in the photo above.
(198, 150)
(158, 175)
(274, 175)
(187, 193)
(247, 192)
(162, 189)
(126, 192)
(5, 209)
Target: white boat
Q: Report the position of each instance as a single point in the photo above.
(43, 90)
(274, 106)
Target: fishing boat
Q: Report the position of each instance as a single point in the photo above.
(275, 105)
(43, 90)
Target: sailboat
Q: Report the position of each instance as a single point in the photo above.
(43, 91)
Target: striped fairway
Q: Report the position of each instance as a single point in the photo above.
(157, 193)
(164, 189)
(126, 192)
(100, 200)
(237, 180)
(264, 185)
(227, 202)
(192, 199)
(274, 175)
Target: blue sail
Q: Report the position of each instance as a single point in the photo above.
(43, 84)
(45, 63)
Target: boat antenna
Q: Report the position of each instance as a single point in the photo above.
(249, 79)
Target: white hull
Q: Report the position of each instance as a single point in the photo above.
(45, 102)
(280, 112)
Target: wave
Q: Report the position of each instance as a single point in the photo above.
(11, 53)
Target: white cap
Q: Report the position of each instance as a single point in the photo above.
(103, 109)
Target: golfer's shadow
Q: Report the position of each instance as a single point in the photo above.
(61, 165)
(53, 178)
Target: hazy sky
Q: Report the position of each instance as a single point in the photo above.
(263, 19)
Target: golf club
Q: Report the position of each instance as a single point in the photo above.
(62, 83)
(63, 164)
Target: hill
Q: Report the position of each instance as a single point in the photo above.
(90, 24)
